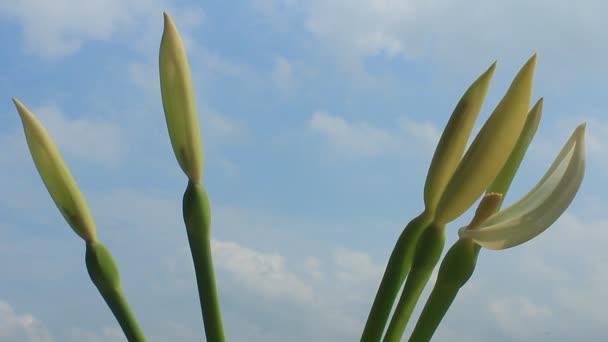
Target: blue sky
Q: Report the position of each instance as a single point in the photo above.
(318, 120)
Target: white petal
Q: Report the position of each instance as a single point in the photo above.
(542, 206)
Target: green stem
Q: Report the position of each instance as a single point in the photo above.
(428, 252)
(456, 269)
(396, 271)
(120, 308)
(197, 216)
(104, 274)
(436, 306)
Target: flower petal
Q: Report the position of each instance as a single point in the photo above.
(56, 176)
(542, 206)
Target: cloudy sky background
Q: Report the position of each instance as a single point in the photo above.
(319, 119)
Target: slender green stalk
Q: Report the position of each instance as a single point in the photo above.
(104, 274)
(428, 252)
(396, 271)
(197, 216)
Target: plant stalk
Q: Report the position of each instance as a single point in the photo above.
(428, 252)
(197, 217)
(104, 274)
(398, 266)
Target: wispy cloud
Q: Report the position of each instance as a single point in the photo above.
(266, 272)
(21, 327)
(87, 139)
(355, 266)
(359, 139)
(107, 334)
(426, 133)
(519, 317)
(358, 29)
(59, 28)
(282, 74)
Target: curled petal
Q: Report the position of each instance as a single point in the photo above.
(56, 176)
(542, 206)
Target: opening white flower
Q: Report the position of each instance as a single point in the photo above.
(541, 207)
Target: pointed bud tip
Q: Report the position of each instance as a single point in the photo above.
(21, 109)
(490, 71)
(493, 66)
(537, 109)
(167, 21)
(582, 127)
(531, 63)
(579, 132)
(17, 103)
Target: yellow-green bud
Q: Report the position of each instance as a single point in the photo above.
(454, 139)
(178, 102)
(491, 148)
(56, 176)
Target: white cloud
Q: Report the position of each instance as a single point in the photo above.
(21, 327)
(368, 27)
(217, 125)
(360, 139)
(107, 334)
(313, 268)
(59, 28)
(86, 139)
(470, 32)
(584, 260)
(282, 74)
(355, 266)
(146, 78)
(265, 272)
(424, 132)
(596, 142)
(519, 317)
(357, 139)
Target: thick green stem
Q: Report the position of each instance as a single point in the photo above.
(396, 271)
(197, 216)
(104, 274)
(428, 252)
(438, 304)
(456, 269)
